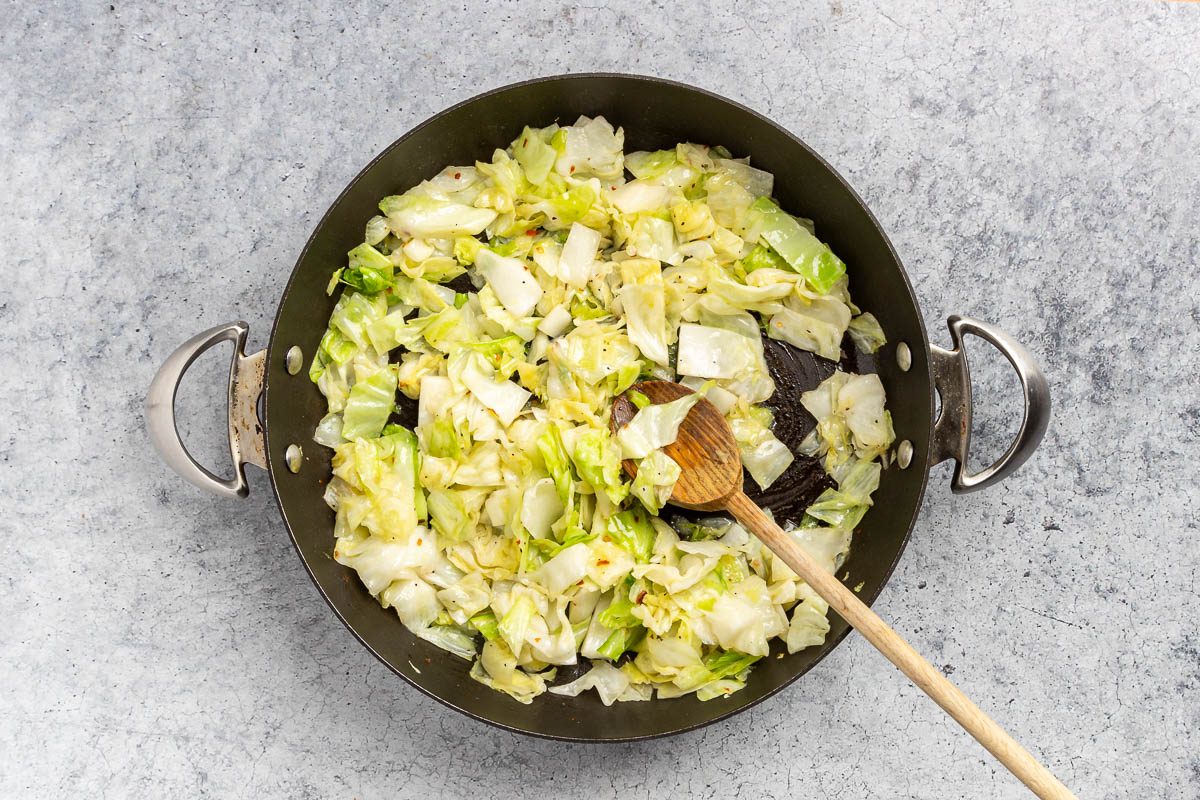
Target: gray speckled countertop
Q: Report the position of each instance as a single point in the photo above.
(1035, 165)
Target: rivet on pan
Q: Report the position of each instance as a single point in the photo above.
(293, 457)
(294, 360)
(904, 454)
(903, 357)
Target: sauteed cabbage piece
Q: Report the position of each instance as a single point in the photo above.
(513, 299)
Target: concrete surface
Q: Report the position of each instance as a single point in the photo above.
(1035, 164)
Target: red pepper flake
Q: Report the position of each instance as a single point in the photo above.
(572, 168)
(641, 596)
(602, 562)
(457, 175)
(531, 232)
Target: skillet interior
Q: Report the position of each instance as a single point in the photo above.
(654, 114)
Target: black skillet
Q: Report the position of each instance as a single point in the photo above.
(655, 114)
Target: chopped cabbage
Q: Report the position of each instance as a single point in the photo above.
(597, 459)
(643, 301)
(852, 420)
(866, 332)
(535, 155)
(503, 527)
(497, 668)
(817, 325)
(591, 147)
(504, 398)
(725, 401)
(565, 570)
(329, 431)
(810, 622)
(609, 682)
(511, 280)
(370, 271)
(416, 215)
(763, 455)
(578, 255)
(633, 530)
(655, 481)
(369, 405)
(797, 246)
(650, 164)
(706, 352)
(376, 486)
(655, 426)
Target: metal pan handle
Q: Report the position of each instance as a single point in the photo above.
(246, 444)
(952, 430)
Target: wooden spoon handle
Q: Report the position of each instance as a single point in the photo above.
(930, 680)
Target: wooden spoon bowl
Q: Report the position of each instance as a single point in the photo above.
(708, 456)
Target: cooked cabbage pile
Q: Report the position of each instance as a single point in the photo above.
(501, 527)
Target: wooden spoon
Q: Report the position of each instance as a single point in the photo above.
(711, 480)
